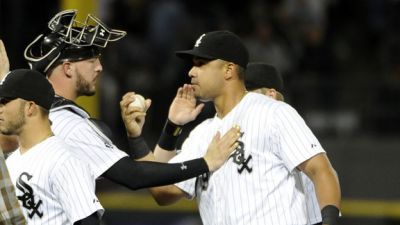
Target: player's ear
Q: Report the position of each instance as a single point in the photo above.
(67, 68)
(271, 92)
(30, 107)
(229, 69)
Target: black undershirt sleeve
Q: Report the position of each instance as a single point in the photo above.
(142, 174)
(90, 220)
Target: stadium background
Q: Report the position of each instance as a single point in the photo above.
(340, 61)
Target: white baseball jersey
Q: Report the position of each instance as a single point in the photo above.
(260, 183)
(88, 143)
(52, 185)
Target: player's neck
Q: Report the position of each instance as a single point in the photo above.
(228, 100)
(62, 86)
(70, 95)
(34, 134)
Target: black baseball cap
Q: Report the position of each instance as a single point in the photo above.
(220, 44)
(29, 85)
(259, 75)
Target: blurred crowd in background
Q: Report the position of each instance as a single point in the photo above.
(340, 59)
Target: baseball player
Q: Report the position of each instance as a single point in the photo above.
(261, 183)
(265, 79)
(52, 185)
(69, 56)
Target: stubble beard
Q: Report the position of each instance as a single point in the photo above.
(83, 87)
(15, 127)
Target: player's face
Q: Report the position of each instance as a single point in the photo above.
(12, 116)
(207, 78)
(87, 74)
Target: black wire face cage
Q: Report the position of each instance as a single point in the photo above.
(65, 30)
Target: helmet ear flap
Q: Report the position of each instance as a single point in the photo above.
(43, 52)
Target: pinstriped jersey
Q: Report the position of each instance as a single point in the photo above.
(260, 183)
(88, 142)
(52, 185)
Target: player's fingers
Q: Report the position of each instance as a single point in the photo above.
(216, 137)
(1, 47)
(148, 104)
(197, 110)
(135, 116)
(179, 92)
(183, 94)
(232, 147)
(231, 136)
(3, 52)
(128, 98)
(140, 116)
(4, 62)
(124, 104)
(186, 90)
(133, 109)
(191, 93)
(128, 94)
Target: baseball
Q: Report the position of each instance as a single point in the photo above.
(139, 102)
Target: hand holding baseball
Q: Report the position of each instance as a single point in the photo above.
(133, 112)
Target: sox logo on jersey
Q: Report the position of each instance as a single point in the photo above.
(239, 157)
(28, 198)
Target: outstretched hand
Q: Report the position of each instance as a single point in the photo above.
(220, 149)
(183, 108)
(4, 62)
(133, 117)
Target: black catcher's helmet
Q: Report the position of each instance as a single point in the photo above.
(69, 40)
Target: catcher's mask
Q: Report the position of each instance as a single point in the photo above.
(69, 40)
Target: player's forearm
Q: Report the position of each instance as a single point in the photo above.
(163, 155)
(166, 146)
(326, 182)
(148, 157)
(327, 188)
(166, 195)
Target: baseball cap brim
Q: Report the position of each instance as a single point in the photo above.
(189, 54)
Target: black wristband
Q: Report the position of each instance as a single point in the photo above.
(330, 215)
(169, 136)
(137, 148)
